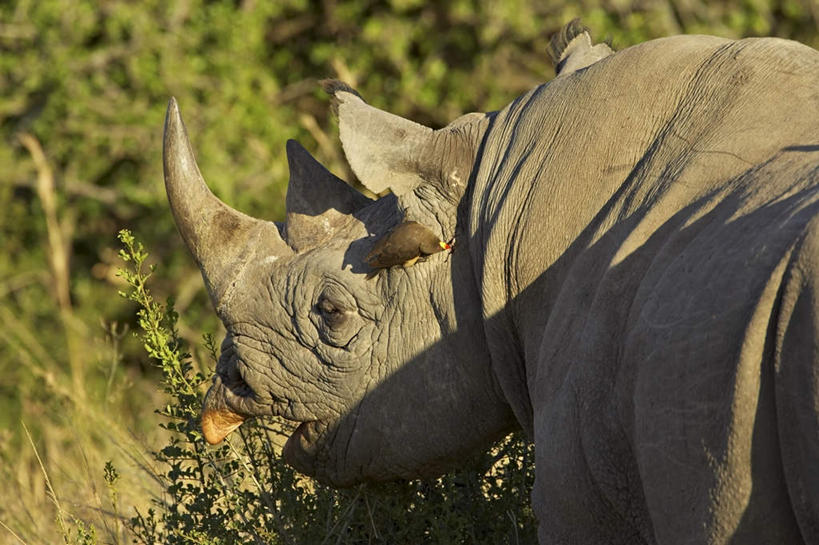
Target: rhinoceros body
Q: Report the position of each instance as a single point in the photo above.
(634, 284)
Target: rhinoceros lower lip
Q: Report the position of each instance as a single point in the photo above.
(301, 443)
(218, 423)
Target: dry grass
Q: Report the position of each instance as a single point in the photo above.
(54, 478)
(52, 460)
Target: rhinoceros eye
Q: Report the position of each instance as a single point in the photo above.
(335, 315)
(332, 314)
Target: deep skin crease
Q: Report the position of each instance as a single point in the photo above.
(634, 287)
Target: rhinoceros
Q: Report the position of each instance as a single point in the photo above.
(634, 284)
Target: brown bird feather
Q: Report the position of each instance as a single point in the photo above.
(404, 245)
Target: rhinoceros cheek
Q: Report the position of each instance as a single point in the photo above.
(218, 423)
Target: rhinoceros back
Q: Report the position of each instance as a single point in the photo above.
(644, 231)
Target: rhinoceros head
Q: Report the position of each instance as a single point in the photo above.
(387, 376)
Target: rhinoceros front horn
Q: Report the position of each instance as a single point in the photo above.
(221, 239)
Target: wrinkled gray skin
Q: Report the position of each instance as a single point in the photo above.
(634, 284)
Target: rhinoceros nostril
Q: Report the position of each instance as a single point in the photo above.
(238, 385)
(233, 379)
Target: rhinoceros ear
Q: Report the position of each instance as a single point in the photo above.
(571, 49)
(317, 201)
(383, 149)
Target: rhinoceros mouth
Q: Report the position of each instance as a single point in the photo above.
(218, 423)
(231, 401)
(227, 405)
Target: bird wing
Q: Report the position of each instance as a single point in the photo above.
(388, 252)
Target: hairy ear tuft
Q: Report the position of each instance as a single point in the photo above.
(572, 49)
(333, 86)
(561, 40)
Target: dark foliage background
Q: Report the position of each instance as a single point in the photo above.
(83, 90)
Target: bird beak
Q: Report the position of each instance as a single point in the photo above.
(444, 245)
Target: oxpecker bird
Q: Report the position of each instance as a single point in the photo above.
(404, 245)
